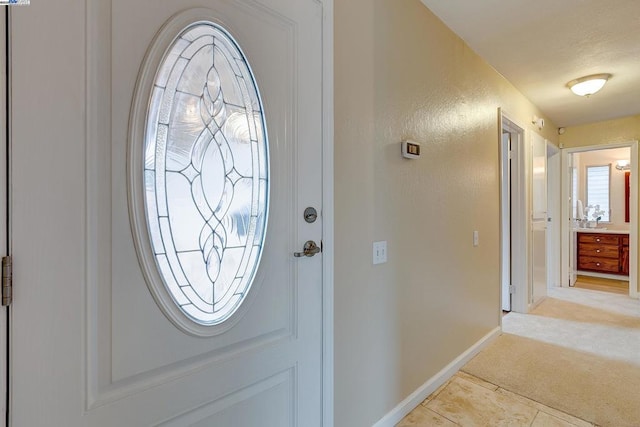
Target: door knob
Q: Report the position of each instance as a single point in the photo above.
(309, 249)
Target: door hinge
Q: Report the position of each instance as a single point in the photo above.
(7, 281)
(512, 289)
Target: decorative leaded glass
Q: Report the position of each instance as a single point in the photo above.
(206, 173)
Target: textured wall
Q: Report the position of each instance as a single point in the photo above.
(607, 132)
(400, 73)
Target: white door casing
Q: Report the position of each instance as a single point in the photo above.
(89, 344)
(518, 221)
(568, 259)
(3, 212)
(568, 233)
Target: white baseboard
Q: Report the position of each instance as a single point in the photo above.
(432, 384)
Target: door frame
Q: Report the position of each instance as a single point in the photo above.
(327, 216)
(633, 211)
(4, 209)
(519, 208)
(505, 222)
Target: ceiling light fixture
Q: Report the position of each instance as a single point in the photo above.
(588, 85)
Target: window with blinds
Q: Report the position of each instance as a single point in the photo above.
(598, 186)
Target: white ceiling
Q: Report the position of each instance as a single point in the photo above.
(540, 45)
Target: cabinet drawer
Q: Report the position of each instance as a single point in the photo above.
(599, 250)
(598, 238)
(607, 265)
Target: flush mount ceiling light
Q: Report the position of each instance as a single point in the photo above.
(588, 85)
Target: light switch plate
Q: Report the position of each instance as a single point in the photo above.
(380, 252)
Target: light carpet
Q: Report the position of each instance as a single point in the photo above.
(593, 381)
(595, 389)
(567, 310)
(578, 327)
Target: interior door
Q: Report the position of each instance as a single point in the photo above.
(539, 219)
(554, 186)
(90, 346)
(505, 209)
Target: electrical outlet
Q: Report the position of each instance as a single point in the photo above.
(380, 252)
(476, 238)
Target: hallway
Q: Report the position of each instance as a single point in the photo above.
(573, 361)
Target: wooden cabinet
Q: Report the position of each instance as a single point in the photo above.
(603, 253)
(624, 256)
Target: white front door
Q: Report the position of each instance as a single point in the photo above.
(89, 343)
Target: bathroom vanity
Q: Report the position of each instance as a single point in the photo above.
(603, 252)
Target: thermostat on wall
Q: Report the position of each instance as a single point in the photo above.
(410, 149)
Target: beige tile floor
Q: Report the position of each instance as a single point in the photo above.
(469, 401)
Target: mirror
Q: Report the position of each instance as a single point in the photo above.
(627, 193)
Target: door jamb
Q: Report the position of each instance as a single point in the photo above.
(5, 90)
(633, 211)
(505, 220)
(519, 217)
(327, 216)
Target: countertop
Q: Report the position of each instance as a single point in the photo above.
(600, 231)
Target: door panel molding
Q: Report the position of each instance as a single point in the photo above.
(209, 409)
(106, 393)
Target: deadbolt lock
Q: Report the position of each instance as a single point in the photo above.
(310, 215)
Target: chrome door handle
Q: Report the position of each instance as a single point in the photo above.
(309, 249)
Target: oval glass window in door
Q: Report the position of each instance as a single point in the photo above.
(206, 173)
